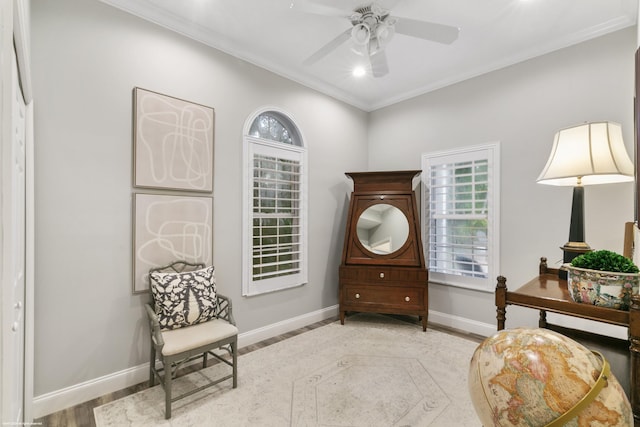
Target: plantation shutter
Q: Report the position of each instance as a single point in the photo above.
(459, 205)
(275, 242)
(276, 217)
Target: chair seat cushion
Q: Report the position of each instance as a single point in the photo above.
(184, 299)
(183, 339)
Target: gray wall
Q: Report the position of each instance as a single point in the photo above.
(86, 58)
(522, 106)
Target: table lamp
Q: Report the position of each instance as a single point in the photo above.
(587, 154)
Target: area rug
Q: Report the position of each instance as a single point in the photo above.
(372, 371)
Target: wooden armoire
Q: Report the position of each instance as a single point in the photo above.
(383, 268)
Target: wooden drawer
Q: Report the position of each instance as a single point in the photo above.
(410, 298)
(382, 274)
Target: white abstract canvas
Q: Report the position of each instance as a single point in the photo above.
(173, 142)
(167, 229)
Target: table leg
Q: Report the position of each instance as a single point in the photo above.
(501, 301)
(634, 349)
(542, 321)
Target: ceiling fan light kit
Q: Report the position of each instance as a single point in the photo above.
(360, 34)
(373, 28)
(384, 32)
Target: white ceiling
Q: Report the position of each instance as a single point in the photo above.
(278, 35)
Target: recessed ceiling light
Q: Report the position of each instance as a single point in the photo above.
(359, 71)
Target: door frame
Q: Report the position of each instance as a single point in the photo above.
(14, 16)
(22, 42)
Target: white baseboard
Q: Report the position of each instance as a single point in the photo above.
(464, 324)
(275, 329)
(58, 400)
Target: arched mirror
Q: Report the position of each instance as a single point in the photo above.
(382, 229)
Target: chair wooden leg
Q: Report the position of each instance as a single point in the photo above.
(152, 367)
(168, 377)
(234, 357)
(204, 359)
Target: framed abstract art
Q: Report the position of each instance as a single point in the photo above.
(168, 228)
(173, 143)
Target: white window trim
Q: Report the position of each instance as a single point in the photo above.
(493, 156)
(252, 145)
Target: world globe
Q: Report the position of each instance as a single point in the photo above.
(537, 377)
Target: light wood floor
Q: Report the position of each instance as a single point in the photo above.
(82, 415)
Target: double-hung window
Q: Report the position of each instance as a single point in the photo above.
(460, 208)
(274, 204)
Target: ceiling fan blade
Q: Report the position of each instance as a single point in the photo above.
(440, 33)
(388, 4)
(309, 6)
(379, 65)
(328, 48)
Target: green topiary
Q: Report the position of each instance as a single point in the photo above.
(605, 260)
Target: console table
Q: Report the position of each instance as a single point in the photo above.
(548, 293)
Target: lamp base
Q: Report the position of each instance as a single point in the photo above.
(570, 251)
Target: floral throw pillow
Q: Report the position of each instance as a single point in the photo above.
(184, 299)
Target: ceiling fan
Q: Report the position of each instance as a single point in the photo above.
(372, 27)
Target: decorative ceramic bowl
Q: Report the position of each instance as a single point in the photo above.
(602, 288)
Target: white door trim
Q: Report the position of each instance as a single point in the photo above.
(21, 39)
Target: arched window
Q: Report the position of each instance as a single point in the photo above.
(275, 126)
(274, 204)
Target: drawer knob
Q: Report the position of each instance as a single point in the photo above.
(382, 275)
(357, 296)
(407, 299)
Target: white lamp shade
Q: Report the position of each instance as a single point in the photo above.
(360, 34)
(384, 33)
(591, 153)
